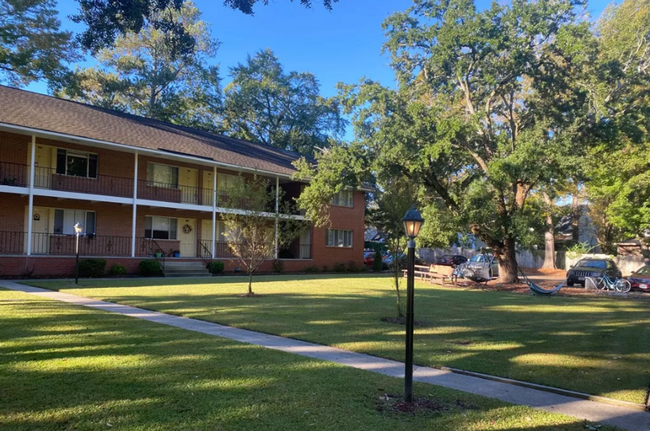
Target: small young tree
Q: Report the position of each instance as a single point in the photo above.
(250, 227)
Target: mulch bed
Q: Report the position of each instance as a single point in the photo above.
(391, 403)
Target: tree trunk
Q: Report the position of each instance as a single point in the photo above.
(399, 299)
(250, 283)
(507, 260)
(575, 218)
(549, 236)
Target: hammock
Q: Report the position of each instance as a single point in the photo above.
(538, 290)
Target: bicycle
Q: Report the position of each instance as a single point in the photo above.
(617, 284)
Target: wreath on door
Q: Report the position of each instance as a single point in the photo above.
(187, 228)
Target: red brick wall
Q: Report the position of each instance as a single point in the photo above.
(115, 219)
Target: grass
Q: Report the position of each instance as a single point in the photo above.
(64, 367)
(589, 344)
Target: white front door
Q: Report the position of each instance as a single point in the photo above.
(206, 237)
(188, 184)
(208, 185)
(187, 237)
(305, 244)
(43, 166)
(40, 230)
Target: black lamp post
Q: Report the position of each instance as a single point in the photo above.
(412, 223)
(77, 231)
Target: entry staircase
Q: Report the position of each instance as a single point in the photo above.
(185, 269)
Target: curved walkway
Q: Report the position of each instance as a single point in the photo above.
(629, 418)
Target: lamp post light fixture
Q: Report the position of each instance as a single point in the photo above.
(413, 221)
(77, 230)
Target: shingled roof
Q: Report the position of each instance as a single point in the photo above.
(50, 114)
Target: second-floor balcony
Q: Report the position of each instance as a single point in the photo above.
(18, 175)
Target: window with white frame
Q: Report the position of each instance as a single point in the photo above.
(76, 163)
(160, 227)
(344, 198)
(162, 175)
(339, 238)
(64, 221)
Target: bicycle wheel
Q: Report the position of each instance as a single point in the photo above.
(600, 283)
(623, 286)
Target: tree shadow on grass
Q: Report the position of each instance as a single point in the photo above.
(64, 367)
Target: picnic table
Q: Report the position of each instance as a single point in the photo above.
(433, 273)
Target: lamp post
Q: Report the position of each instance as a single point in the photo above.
(77, 231)
(412, 222)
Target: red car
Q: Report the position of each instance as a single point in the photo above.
(640, 280)
(369, 257)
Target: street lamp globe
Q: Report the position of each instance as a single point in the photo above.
(77, 228)
(413, 221)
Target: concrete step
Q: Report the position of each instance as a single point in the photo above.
(188, 274)
(185, 271)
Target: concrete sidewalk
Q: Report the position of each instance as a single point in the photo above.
(624, 417)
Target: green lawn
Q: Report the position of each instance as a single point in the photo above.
(596, 345)
(64, 367)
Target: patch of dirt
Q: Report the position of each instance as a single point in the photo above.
(402, 321)
(462, 343)
(391, 403)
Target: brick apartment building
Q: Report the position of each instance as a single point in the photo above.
(139, 188)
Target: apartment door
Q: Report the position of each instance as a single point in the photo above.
(189, 185)
(206, 238)
(187, 237)
(208, 184)
(40, 230)
(43, 166)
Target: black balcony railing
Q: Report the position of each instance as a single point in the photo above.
(12, 174)
(174, 193)
(15, 243)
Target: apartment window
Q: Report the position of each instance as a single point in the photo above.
(64, 221)
(339, 238)
(344, 198)
(76, 163)
(162, 175)
(160, 227)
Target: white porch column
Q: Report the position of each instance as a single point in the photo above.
(277, 210)
(30, 211)
(214, 211)
(135, 205)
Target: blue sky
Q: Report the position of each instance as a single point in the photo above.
(342, 45)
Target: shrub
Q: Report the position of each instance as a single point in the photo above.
(378, 263)
(92, 268)
(215, 267)
(278, 266)
(352, 267)
(339, 267)
(149, 267)
(312, 270)
(118, 269)
(326, 268)
(364, 268)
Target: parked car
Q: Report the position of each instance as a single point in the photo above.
(640, 279)
(389, 259)
(369, 257)
(452, 260)
(592, 267)
(481, 267)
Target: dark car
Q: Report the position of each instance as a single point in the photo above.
(640, 279)
(591, 268)
(452, 260)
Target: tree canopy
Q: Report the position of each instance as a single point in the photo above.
(107, 19)
(142, 75)
(264, 103)
(32, 44)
